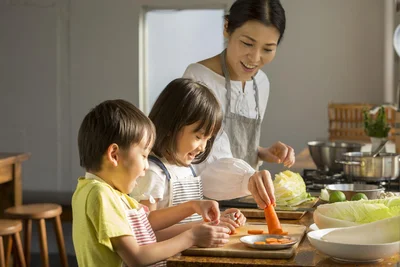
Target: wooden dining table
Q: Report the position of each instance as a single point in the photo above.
(305, 255)
(11, 179)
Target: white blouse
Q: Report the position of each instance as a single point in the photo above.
(223, 176)
(154, 184)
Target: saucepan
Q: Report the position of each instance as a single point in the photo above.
(363, 166)
(325, 154)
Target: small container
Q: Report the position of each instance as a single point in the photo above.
(349, 190)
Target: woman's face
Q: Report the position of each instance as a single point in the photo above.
(250, 47)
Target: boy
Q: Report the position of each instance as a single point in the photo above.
(109, 227)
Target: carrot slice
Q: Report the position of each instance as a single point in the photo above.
(283, 240)
(274, 225)
(271, 239)
(255, 232)
(273, 243)
(259, 243)
(286, 242)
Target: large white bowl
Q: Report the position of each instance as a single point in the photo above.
(352, 252)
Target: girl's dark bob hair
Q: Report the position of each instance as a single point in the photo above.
(184, 102)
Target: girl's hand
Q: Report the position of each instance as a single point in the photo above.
(208, 209)
(233, 217)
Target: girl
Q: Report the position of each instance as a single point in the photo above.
(187, 117)
(253, 29)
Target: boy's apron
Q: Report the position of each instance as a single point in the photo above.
(243, 132)
(181, 189)
(141, 228)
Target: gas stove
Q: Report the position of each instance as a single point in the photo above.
(316, 180)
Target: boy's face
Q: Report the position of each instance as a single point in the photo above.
(132, 164)
(190, 143)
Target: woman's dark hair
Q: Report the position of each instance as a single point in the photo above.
(268, 12)
(112, 121)
(184, 102)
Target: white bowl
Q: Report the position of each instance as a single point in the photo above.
(352, 252)
(313, 227)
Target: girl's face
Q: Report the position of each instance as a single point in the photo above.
(250, 47)
(190, 143)
(132, 164)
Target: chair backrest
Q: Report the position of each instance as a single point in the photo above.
(346, 121)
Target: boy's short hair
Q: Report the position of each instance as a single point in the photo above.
(184, 102)
(112, 121)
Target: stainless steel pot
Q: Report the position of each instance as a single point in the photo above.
(362, 166)
(349, 190)
(324, 154)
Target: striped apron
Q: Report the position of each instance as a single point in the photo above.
(141, 228)
(181, 189)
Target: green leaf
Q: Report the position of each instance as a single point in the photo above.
(376, 127)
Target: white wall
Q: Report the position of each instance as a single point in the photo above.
(332, 52)
(176, 38)
(58, 62)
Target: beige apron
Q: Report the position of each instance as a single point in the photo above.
(243, 132)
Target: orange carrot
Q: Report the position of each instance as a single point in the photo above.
(274, 226)
(255, 232)
(283, 240)
(259, 243)
(271, 239)
(273, 243)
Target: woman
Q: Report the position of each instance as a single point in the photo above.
(253, 29)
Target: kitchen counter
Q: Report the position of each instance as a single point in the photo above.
(306, 255)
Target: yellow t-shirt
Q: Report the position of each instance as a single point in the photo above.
(98, 215)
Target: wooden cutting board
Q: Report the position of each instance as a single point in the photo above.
(282, 214)
(236, 249)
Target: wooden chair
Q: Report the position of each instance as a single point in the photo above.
(346, 121)
(11, 230)
(40, 212)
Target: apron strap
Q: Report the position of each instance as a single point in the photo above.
(160, 164)
(193, 172)
(228, 86)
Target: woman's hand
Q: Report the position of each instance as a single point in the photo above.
(277, 153)
(261, 187)
(208, 209)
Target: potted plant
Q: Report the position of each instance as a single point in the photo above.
(376, 127)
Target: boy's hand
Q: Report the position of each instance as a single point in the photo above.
(208, 209)
(207, 235)
(233, 217)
